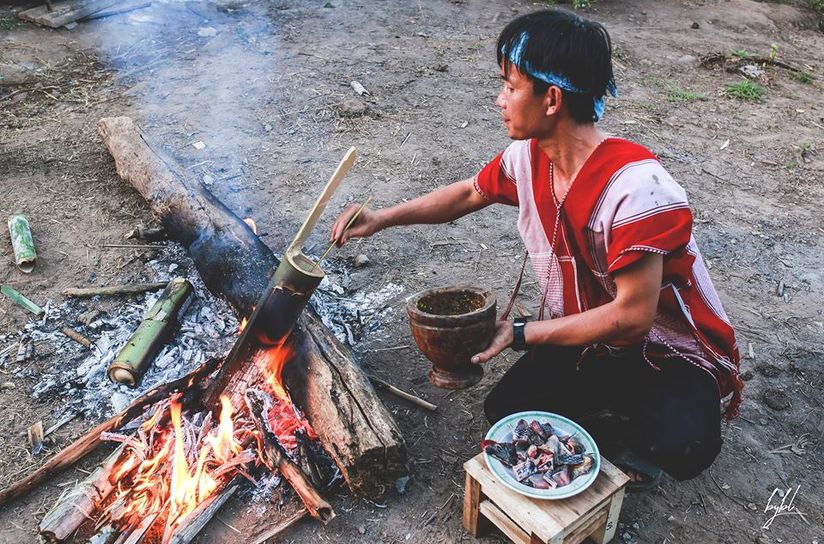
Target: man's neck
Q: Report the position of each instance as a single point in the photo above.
(568, 147)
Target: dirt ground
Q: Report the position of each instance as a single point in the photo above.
(266, 87)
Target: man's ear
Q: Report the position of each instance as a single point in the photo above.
(553, 100)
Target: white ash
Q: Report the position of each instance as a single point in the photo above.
(351, 315)
(76, 378)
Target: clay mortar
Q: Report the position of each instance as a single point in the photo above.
(450, 325)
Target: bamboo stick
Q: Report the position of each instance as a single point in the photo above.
(77, 337)
(127, 289)
(21, 300)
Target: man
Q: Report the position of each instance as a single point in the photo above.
(634, 325)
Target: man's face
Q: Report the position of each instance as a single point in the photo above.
(523, 112)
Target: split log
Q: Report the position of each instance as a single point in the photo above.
(321, 375)
(64, 13)
(88, 442)
(276, 457)
(80, 502)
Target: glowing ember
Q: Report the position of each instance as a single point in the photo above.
(242, 327)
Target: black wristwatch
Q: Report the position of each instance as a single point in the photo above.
(518, 337)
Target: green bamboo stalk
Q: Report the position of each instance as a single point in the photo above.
(21, 301)
(154, 331)
(21, 240)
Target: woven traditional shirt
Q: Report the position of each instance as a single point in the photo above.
(622, 205)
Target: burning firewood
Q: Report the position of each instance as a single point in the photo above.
(275, 457)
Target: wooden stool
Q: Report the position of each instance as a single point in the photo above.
(593, 513)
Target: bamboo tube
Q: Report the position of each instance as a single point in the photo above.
(155, 329)
(21, 240)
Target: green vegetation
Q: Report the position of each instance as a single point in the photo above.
(7, 23)
(802, 77)
(743, 54)
(677, 94)
(745, 90)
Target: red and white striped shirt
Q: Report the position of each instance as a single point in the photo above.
(622, 204)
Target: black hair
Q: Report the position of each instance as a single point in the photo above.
(565, 44)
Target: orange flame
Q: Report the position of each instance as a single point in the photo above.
(243, 323)
(271, 362)
(223, 443)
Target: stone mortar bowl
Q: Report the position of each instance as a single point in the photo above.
(450, 325)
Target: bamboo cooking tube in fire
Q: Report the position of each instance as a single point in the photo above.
(284, 298)
(276, 457)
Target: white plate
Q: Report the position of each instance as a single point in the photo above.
(502, 432)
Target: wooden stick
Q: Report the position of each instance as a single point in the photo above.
(348, 224)
(282, 526)
(127, 289)
(275, 457)
(88, 442)
(137, 246)
(204, 511)
(79, 503)
(403, 394)
(77, 337)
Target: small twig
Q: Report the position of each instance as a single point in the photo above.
(77, 337)
(723, 492)
(137, 246)
(403, 394)
(393, 348)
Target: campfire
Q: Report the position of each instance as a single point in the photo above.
(162, 479)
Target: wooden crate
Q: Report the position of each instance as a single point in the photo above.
(593, 513)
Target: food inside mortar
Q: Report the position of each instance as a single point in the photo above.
(542, 456)
(451, 302)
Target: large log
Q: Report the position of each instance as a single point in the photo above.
(321, 374)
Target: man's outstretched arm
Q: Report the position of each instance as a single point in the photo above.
(440, 206)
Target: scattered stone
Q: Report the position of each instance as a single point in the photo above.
(671, 518)
(695, 26)
(688, 59)
(747, 375)
(206, 32)
(751, 71)
(636, 526)
(352, 107)
(400, 484)
(361, 260)
(362, 529)
(763, 422)
(442, 68)
(12, 75)
(628, 538)
(776, 399)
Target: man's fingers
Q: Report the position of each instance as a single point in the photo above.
(340, 225)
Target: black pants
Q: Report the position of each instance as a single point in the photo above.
(671, 417)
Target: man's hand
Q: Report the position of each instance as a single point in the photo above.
(501, 341)
(364, 226)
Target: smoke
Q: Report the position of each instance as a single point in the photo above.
(197, 74)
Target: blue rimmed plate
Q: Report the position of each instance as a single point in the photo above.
(502, 432)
